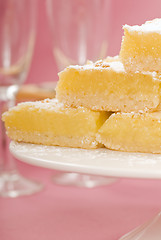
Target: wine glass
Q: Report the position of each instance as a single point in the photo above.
(79, 33)
(150, 230)
(17, 36)
(79, 30)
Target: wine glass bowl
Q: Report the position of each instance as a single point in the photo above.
(17, 31)
(79, 30)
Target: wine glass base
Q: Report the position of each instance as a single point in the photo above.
(14, 185)
(148, 231)
(81, 180)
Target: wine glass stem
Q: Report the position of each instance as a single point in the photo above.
(7, 162)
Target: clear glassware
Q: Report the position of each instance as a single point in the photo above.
(17, 36)
(79, 33)
(79, 29)
(150, 230)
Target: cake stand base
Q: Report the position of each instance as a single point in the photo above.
(81, 180)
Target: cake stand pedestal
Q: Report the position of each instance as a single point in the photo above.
(81, 180)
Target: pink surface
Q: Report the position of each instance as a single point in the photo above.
(68, 213)
(63, 213)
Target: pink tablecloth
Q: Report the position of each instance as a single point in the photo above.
(68, 213)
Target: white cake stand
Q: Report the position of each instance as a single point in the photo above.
(100, 162)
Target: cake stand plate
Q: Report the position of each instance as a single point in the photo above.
(101, 162)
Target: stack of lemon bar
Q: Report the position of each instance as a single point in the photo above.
(113, 103)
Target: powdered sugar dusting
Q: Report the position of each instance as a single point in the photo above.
(49, 104)
(147, 27)
(100, 65)
(116, 66)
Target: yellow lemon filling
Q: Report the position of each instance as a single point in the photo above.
(132, 132)
(141, 47)
(48, 122)
(106, 86)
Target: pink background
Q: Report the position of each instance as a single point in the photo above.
(121, 12)
(68, 213)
